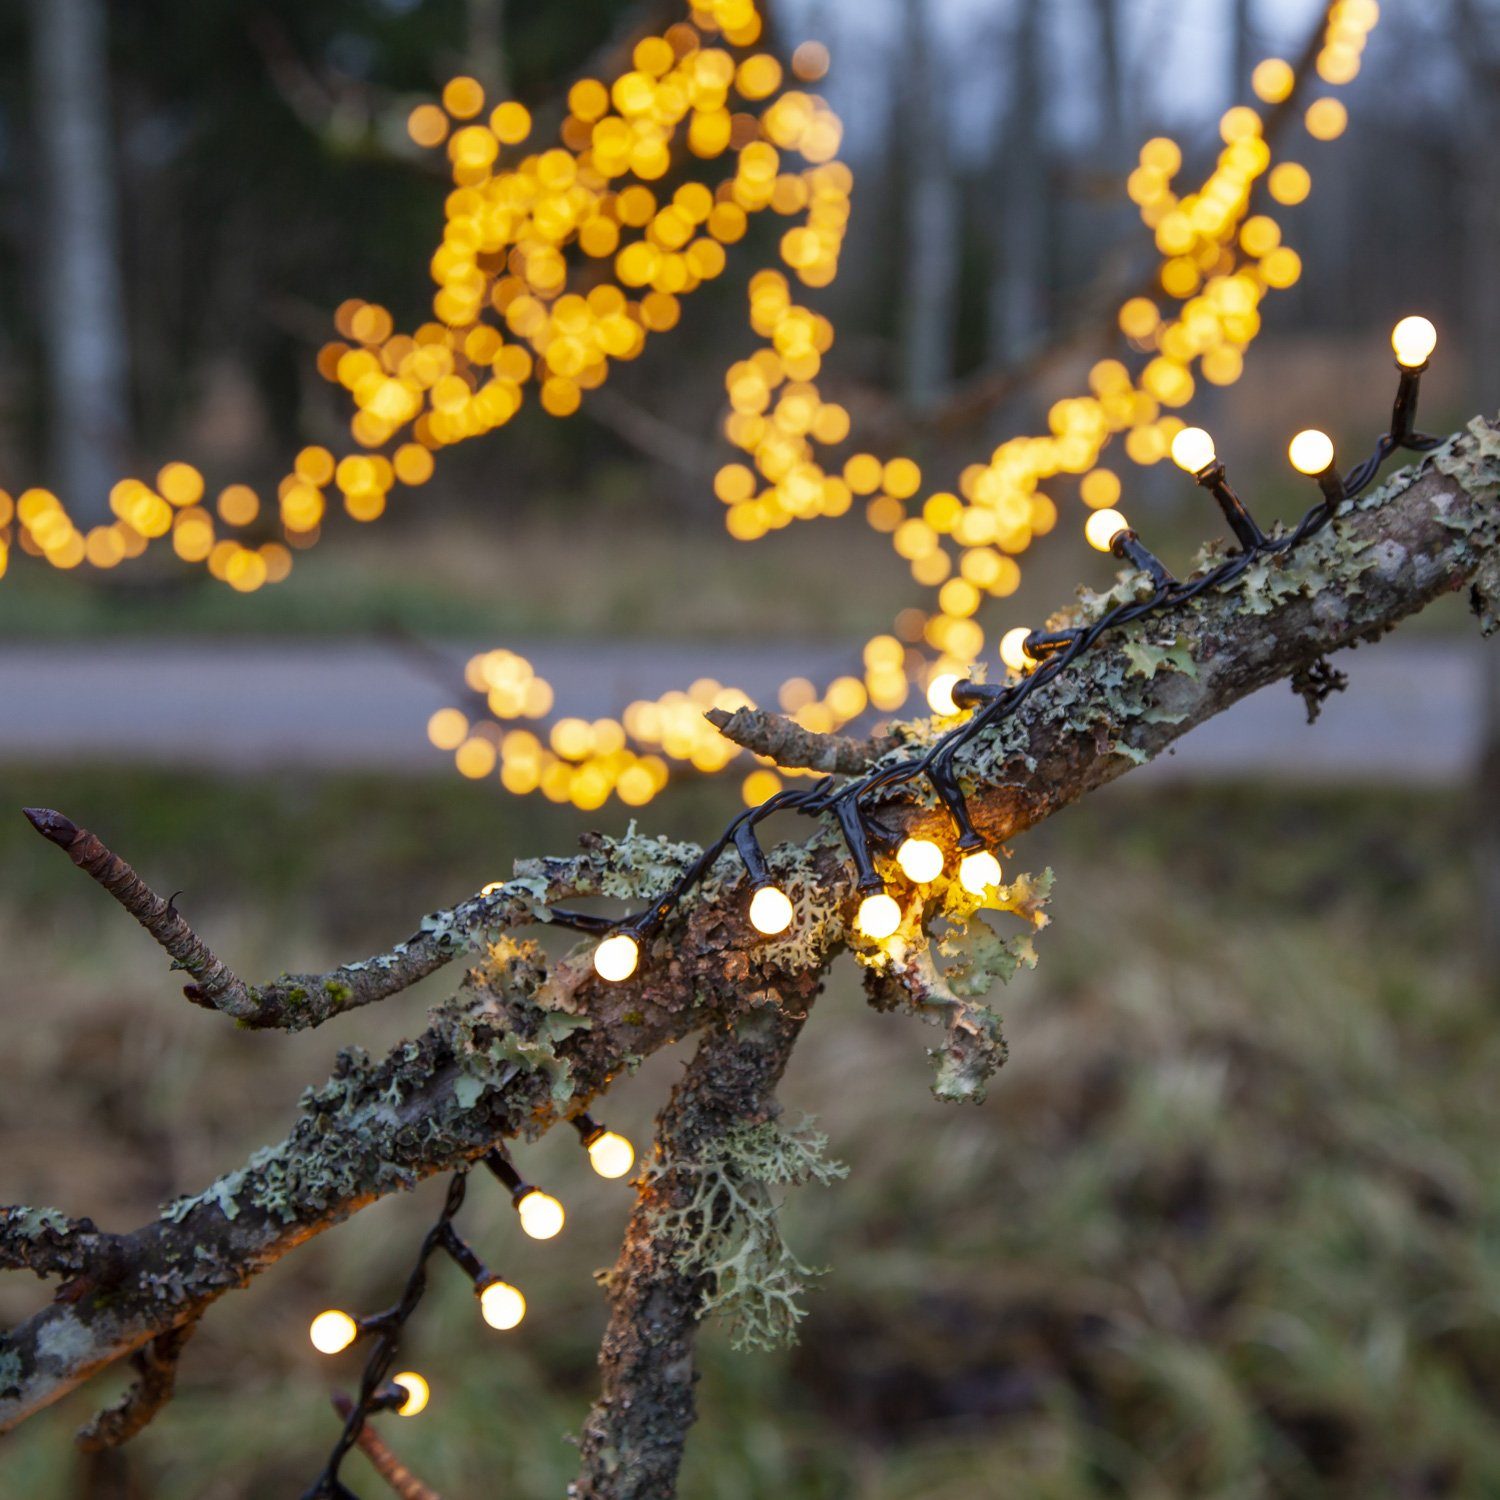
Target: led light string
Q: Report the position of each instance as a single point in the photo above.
(1043, 656)
(460, 376)
(501, 1304)
(617, 956)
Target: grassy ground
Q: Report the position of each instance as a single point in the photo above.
(1229, 1225)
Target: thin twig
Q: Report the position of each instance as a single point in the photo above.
(786, 742)
(156, 1377)
(217, 985)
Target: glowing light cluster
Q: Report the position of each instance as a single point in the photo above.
(558, 260)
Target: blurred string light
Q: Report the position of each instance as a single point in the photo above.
(501, 1305)
(557, 261)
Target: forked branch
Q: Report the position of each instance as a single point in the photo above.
(528, 1042)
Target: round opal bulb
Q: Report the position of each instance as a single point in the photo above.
(1103, 527)
(879, 916)
(1413, 339)
(940, 694)
(616, 957)
(978, 871)
(1193, 450)
(501, 1305)
(770, 913)
(541, 1214)
(611, 1155)
(417, 1393)
(1311, 452)
(920, 859)
(1013, 649)
(332, 1331)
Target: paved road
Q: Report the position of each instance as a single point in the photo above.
(1412, 711)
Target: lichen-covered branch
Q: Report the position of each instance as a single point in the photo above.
(633, 1438)
(155, 1366)
(295, 1002)
(786, 742)
(51, 1244)
(527, 1041)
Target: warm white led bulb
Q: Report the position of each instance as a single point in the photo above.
(1193, 450)
(417, 1393)
(1013, 650)
(879, 916)
(978, 871)
(1103, 527)
(611, 1155)
(616, 957)
(501, 1305)
(920, 859)
(1311, 452)
(940, 694)
(770, 910)
(332, 1331)
(1413, 339)
(541, 1214)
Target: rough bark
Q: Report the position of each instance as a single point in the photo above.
(633, 1438)
(527, 1042)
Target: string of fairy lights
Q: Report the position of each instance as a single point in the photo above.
(1033, 659)
(559, 262)
(501, 1304)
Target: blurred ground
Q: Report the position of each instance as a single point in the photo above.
(1229, 1224)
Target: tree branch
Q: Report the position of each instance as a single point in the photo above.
(295, 1002)
(527, 1042)
(156, 1377)
(787, 743)
(633, 1438)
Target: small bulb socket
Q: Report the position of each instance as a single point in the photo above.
(588, 1128)
(973, 694)
(945, 784)
(1331, 482)
(1214, 479)
(389, 1397)
(1404, 408)
(749, 850)
(857, 841)
(512, 1180)
(1127, 546)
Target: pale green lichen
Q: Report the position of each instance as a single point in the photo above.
(728, 1230)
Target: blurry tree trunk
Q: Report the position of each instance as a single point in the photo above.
(930, 266)
(83, 330)
(486, 41)
(1018, 185)
(1113, 115)
(1240, 49)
